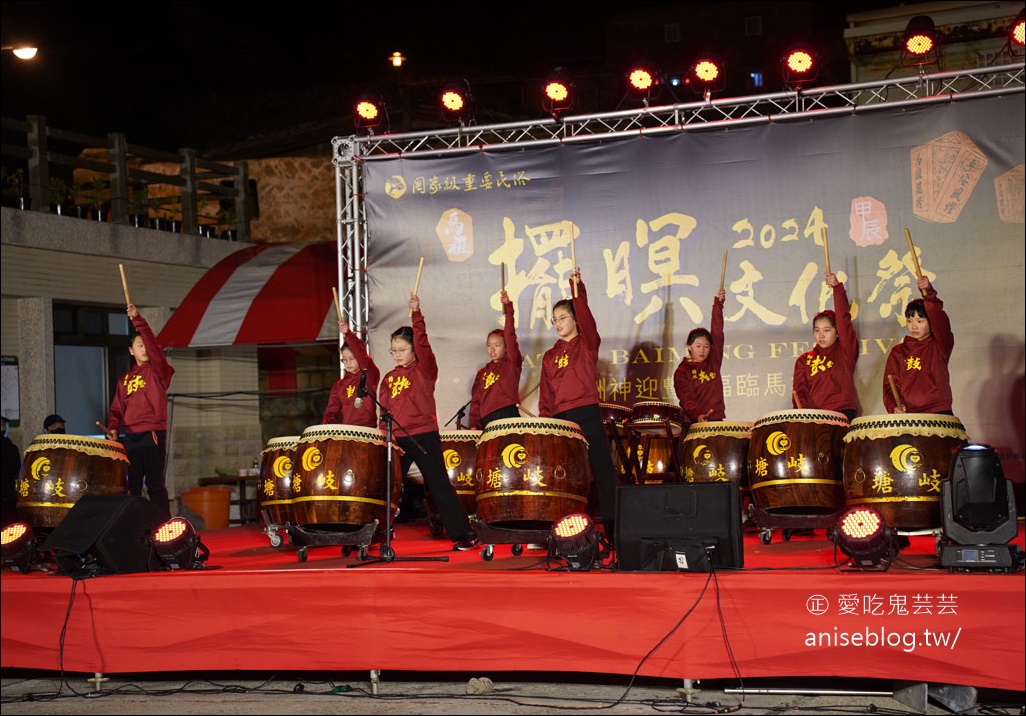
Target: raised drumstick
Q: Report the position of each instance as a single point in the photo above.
(826, 251)
(915, 259)
(124, 284)
(338, 309)
(573, 265)
(416, 284)
(503, 287)
(723, 269)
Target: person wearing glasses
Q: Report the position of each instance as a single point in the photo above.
(496, 391)
(697, 380)
(569, 390)
(407, 393)
(345, 404)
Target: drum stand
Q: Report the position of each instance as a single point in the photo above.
(385, 551)
(631, 476)
(642, 443)
(766, 522)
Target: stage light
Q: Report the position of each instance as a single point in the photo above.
(178, 545)
(1016, 37)
(707, 75)
(863, 535)
(457, 102)
(642, 82)
(18, 547)
(919, 42)
(575, 540)
(557, 93)
(800, 66)
(369, 111)
(978, 512)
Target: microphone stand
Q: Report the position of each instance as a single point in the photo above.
(385, 552)
(458, 417)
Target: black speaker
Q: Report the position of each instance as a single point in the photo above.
(105, 534)
(690, 527)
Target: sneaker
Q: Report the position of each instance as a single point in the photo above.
(467, 541)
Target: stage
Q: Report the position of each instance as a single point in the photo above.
(788, 613)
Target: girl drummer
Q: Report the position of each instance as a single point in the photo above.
(407, 395)
(824, 377)
(697, 380)
(919, 364)
(345, 404)
(568, 390)
(496, 390)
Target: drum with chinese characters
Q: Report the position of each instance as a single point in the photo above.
(531, 472)
(58, 469)
(655, 429)
(895, 464)
(339, 476)
(459, 451)
(716, 452)
(276, 480)
(796, 461)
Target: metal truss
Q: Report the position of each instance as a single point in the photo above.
(349, 153)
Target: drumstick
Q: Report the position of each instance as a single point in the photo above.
(416, 284)
(915, 259)
(338, 309)
(522, 409)
(894, 392)
(124, 284)
(826, 251)
(573, 265)
(503, 287)
(797, 400)
(101, 426)
(723, 269)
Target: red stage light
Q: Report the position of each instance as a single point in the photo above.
(456, 101)
(369, 111)
(707, 75)
(642, 82)
(558, 94)
(920, 37)
(1016, 38)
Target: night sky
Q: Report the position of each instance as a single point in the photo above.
(202, 75)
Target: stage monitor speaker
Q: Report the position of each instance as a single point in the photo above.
(105, 534)
(690, 527)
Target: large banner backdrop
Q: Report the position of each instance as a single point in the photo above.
(651, 221)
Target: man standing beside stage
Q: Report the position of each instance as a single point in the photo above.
(139, 409)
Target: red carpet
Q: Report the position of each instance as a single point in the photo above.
(789, 612)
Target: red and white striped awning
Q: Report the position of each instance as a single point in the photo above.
(267, 294)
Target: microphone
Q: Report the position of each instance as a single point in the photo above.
(361, 390)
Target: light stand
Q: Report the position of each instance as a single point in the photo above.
(385, 551)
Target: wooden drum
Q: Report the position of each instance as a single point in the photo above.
(531, 472)
(459, 450)
(58, 469)
(615, 418)
(339, 475)
(716, 452)
(276, 480)
(796, 462)
(654, 417)
(895, 464)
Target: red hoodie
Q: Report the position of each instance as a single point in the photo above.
(140, 400)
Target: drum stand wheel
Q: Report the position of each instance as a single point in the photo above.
(306, 537)
(499, 535)
(787, 524)
(273, 531)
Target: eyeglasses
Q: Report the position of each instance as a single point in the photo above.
(398, 351)
(560, 319)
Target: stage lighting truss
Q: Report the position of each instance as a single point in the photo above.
(707, 75)
(799, 66)
(18, 547)
(457, 102)
(576, 543)
(863, 535)
(919, 43)
(557, 94)
(369, 111)
(178, 545)
(642, 82)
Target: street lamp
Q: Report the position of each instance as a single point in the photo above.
(22, 52)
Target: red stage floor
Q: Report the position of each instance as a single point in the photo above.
(789, 612)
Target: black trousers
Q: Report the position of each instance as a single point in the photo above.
(425, 450)
(590, 419)
(146, 460)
